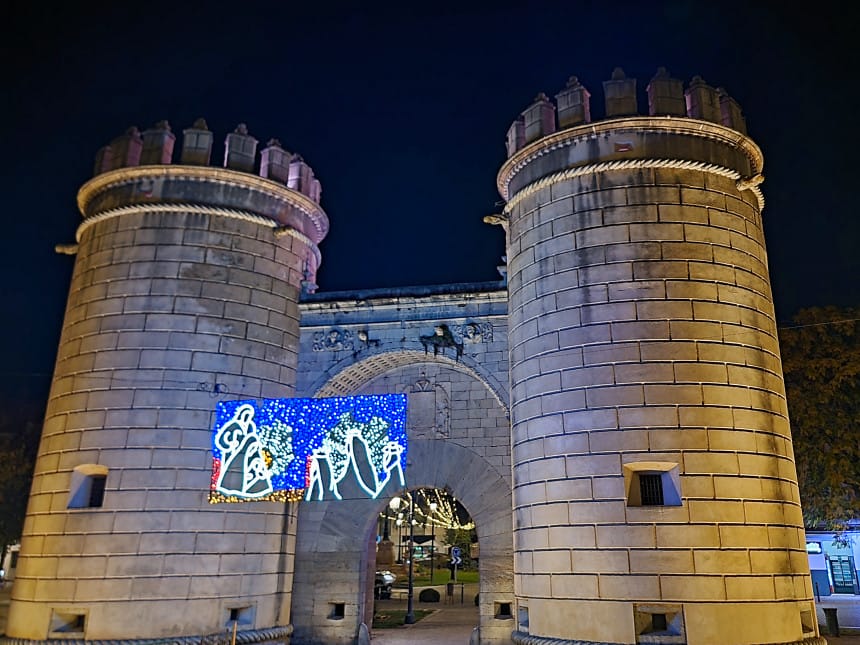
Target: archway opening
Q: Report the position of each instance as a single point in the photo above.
(427, 559)
(432, 528)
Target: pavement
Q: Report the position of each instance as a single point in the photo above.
(451, 622)
(847, 615)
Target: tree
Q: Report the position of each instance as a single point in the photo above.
(821, 363)
(17, 459)
(463, 538)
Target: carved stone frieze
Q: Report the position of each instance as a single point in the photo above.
(333, 340)
(473, 332)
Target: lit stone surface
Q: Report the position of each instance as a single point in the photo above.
(459, 440)
(642, 331)
(636, 337)
(168, 310)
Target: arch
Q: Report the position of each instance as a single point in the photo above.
(348, 374)
(335, 541)
(335, 549)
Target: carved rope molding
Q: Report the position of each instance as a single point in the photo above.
(585, 132)
(223, 176)
(180, 209)
(522, 638)
(742, 183)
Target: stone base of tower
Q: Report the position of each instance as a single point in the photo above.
(270, 636)
(521, 638)
(589, 622)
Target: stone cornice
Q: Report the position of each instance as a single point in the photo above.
(397, 303)
(224, 176)
(668, 124)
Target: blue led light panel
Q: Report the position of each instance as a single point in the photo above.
(289, 449)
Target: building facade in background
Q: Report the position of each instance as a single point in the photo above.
(612, 414)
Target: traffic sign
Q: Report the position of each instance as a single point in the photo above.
(457, 560)
(455, 552)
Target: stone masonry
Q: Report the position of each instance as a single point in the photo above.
(612, 414)
(185, 290)
(459, 439)
(644, 352)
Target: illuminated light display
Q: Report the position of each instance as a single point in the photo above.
(290, 449)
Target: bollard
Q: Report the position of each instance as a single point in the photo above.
(475, 637)
(832, 621)
(449, 592)
(363, 634)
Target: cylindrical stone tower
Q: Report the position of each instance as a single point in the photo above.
(184, 292)
(655, 493)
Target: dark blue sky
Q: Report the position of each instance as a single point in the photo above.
(402, 110)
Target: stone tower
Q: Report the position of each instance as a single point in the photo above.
(184, 290)
(655, 493)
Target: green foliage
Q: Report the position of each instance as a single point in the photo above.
(821, 362)
(17, 459)
(462, 538)
(386, 618)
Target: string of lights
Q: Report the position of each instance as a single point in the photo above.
(448, 513)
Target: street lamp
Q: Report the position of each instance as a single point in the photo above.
(394, 504)
(399, 538)
(433, 507)
(410, 614)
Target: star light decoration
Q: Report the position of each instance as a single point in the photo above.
(290, 435)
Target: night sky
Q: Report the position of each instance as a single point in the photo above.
(402, 110)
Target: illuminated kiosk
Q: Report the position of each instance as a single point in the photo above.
(655, 491)
(184, 292)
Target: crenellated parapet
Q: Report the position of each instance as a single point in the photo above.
(694, 127)
(666, 97)
(275, 188)
(155, 147)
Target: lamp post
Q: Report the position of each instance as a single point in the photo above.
(393, 504)
(400, 538)
(433, 507)
(410, 614)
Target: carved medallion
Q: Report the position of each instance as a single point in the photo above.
(333, 340)
(473, 332)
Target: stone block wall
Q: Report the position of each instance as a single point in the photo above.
(185, 292)
(458, 433)
(644, 344)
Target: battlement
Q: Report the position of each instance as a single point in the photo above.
(155, 147)
(666, 97)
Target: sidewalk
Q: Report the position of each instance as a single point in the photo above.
(847, 615)
(451, 623)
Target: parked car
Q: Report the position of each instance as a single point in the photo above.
(382, 584)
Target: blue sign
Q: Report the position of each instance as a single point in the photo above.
(455, 552)
(289, 449)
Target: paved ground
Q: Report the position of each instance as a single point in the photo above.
(847, 615)
(453, 624)
(450, 624)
